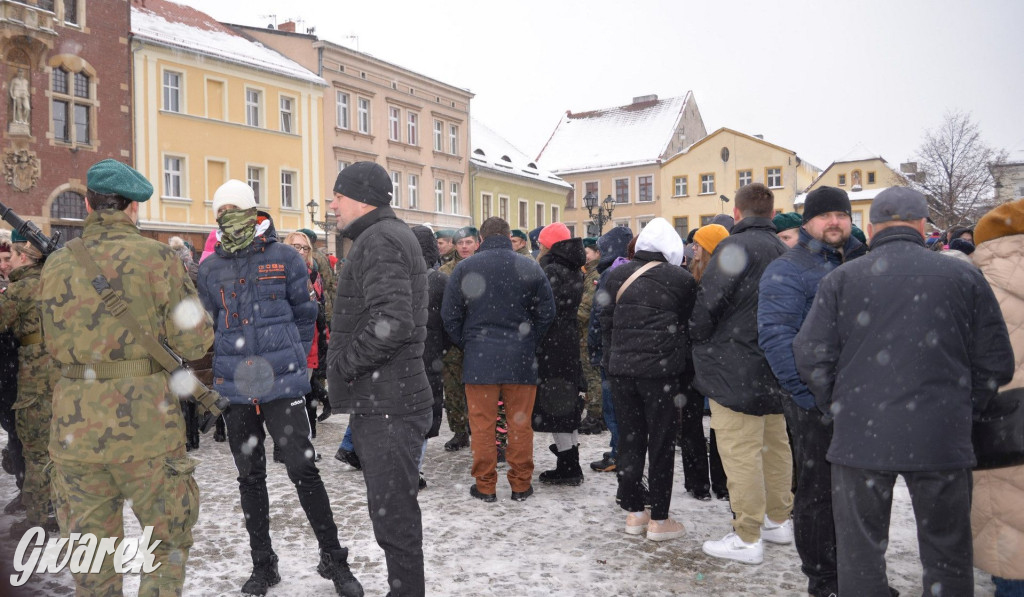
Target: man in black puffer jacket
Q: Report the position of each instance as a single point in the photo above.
(731, 370)
(437, 341)
(375, 363)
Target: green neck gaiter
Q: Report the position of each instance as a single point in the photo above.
(238, 229)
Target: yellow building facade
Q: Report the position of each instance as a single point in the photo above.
(210, 106)
(863, 176)
(701, 181)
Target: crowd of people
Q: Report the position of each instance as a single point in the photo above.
(829, 366)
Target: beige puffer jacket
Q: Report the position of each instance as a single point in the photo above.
(997, 514)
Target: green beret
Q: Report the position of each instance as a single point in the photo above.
(16, 237)
(787, 221)
(309, 234)
(446, 233)
(517, 233)
(466, 232)
(111, 177)
(858, 234)
(590, 242)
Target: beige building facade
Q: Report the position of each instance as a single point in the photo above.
(863, 176)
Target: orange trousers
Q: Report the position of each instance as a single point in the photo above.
(482, 401)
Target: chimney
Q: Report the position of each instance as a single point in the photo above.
(288, 26)
(645, 98)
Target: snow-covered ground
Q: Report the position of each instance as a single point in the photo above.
(562, 541)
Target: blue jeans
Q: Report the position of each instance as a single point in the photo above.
(346, 442)
(1008, 588)
(608, 411)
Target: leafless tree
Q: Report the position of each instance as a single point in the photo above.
(955, 161)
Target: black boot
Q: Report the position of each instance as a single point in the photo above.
(14, 505)
(591, 425)
(264, 574)
(334, 567)
(457, 442)
(567, 471)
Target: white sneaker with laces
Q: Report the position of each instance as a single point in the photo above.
(780, 533)
(731, 547)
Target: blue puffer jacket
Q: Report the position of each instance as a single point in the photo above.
(785, 296)
(260, 302)
(612, 245)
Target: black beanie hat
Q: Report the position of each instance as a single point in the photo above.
(825, 199)
(366, 182)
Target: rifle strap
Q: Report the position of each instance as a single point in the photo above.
(119, 309)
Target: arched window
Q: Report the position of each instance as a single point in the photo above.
(67, 215)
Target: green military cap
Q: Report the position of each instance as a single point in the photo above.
(520, 234)
(787, 221)
(590, 242)
(445, 233)
(858, 234)
(16, 237)
(111, 177)
(466, 232)
(309, 234)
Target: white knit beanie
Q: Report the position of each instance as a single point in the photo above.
(233, 192)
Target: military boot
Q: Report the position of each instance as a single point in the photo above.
(334, 567)
(19, 528)
(14, 505)
(457, 442)
(264, 573)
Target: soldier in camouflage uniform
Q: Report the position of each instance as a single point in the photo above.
(318, 382)
(117, 431)
(521, 243)
(593, 423)
(445, 246)
(13, 461)
(454, 390)
(19, 312)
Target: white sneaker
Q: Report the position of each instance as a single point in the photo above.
(731, 547)
(774, 532)
(665, 530)
(636, 522)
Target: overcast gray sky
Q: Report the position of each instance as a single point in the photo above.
(817, 77)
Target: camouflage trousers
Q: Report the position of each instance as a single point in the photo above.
(593, 377)
(89, 498)
(33, 425)
(454, 391)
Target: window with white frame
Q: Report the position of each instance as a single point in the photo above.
(744, 177)
(438, 135)
(645, 188)
(524, 214)
(172, 91)
(341, 108)
(414, 193)
(253, 99)
(173, 168)
(287, 189)
(643, 222)
(396, 191)
(454, 194)
(412, 136)
(394, 123)
(439, 195)
(71, 11)
(453, 139)
(254, 177)
(540, 213)
(341, 166)
(503, 207)
(591, 187)
(555, 215)
(621, 190)
(72, 104)
(774, 177)
(679, 184)
(363, 115)
(707, 184)
(485, 206)
(858, 219)
(287, 114)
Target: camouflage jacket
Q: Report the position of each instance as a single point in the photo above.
(525, 251)
(323, 265)
(19, 312)
(448, 257)
(131, 418)
(447, 267)
(589, 289)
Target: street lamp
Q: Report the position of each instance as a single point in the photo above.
(327, 225)
(724, 201)
(604, 211)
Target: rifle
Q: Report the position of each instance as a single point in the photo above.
(29, 230)
(210, 402)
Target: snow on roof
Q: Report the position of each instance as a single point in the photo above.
(862, 195)
(491, 150)
(629, 135)
(177, 26)
(859, 153)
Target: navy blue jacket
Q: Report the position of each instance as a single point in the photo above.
(785, 297)
(900, 346)
(497, 306)
(612, 245)
(260, 301)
